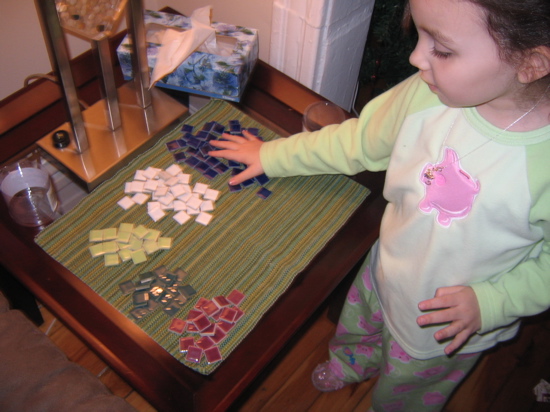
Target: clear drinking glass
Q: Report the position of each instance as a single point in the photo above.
(28, 191)
(320, 114)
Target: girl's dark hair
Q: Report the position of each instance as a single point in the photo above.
(517, 26)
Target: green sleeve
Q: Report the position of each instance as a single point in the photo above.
(525, 290)
(355, 145)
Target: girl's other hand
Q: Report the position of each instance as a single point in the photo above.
(457, 305)
(243, 149)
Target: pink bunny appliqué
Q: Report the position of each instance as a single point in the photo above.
(449, 189)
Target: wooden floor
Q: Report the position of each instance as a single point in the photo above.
(503, 381)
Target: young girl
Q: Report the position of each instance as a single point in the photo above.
(464, 248)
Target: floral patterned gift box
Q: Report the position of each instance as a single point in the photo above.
(220, 76)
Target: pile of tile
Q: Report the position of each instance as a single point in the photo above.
(127, 243)
(170, 190)
(159, 288)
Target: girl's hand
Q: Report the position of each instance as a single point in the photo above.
(457, 305)
(243, 150)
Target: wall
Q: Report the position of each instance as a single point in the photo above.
(22, 48)
(247, 13)
(317, 42)
(306, 39)
(23, 51)
(320, 43)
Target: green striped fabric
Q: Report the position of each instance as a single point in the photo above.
(254, 245)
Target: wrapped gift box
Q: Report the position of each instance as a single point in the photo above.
(221, 76)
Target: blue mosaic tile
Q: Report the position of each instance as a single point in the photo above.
(208, 126)
(186, 136)
(191, 161)
(235, 188)
(218, 128)
(221, 168)
(202, 167)
(212, 161)
(180, 157)
(192, 152)
(198, 155)
(203, 135)
(205, 149)
(235, 127)
(262, 179)
(194, 143)
(187, 128)
(173, 145)
(210, 173)
(263, 193)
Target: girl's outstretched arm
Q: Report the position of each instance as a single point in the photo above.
(457, 305)
(245, 149)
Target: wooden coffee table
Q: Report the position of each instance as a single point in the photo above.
(277, 102)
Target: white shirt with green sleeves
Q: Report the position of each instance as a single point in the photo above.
(480, 218)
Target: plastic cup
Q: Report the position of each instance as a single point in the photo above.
(320, 114)
(29, 193)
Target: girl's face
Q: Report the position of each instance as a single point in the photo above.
(456, 55)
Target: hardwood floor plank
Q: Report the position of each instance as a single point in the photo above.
(532, 365)
(138, 402)
(50, 324)
(503, 381)
(79, 353)
(297, 393)
(90, 361)
(350, 398)
(66, 340)
(471, 394)
(115, 383)
(314, 341)
(366, 401)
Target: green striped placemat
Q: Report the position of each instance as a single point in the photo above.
(254, 245)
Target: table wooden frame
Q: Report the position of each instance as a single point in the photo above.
(278, 102)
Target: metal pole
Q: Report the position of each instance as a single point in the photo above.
(101, 49)
(59, 57)
(136, 30)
